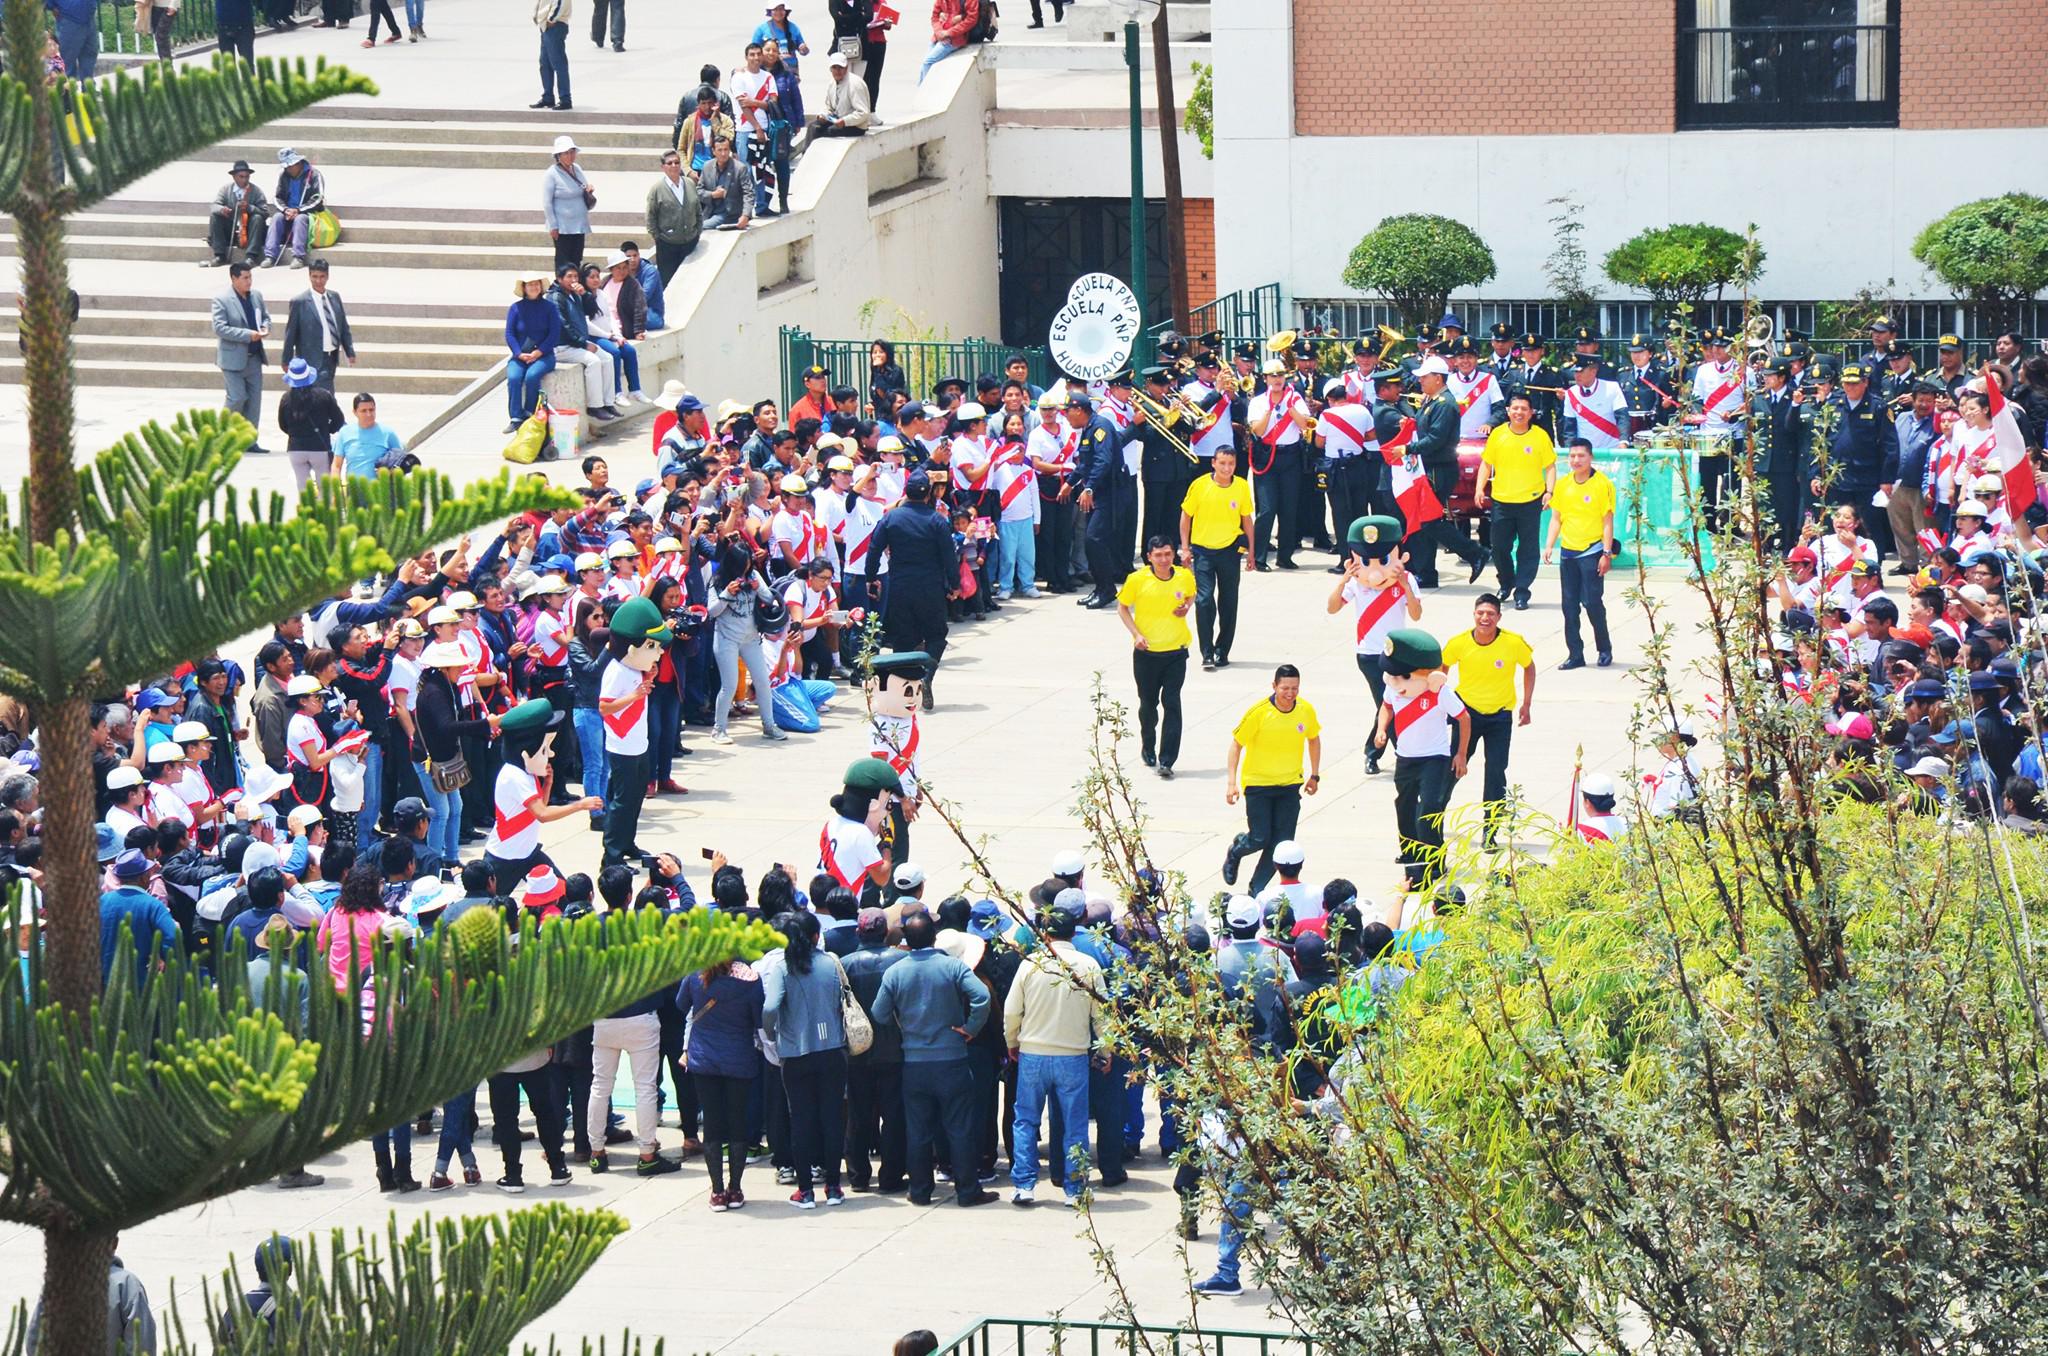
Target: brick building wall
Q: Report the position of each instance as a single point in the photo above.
(1198, 222)
(1381, 66)
(1979, 68)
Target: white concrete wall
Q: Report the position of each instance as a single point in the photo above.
(903, 215)
(1086, 162)
(1836, 210)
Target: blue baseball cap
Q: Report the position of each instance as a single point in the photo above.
(689, 404)
(153, 699)
(564, 565)
(131, 865)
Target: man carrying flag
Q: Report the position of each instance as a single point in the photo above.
(1435, 445)
(1429, 759)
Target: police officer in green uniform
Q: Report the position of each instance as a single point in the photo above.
(1781, 451)
(1426, 340)
(1647, 388)
(1436, 443)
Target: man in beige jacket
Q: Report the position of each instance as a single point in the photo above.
(1052, 1021)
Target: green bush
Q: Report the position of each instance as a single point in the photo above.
(1993, 252)
(1680, 265)
(1199, 116)
(1416, 261)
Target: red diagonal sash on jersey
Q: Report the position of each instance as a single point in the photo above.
(513, 825)
(1599, 828)
(1383, 602)
(1581, 410)
(828, 861)
(902, 758)
(1017, 484)
(1466, 401)
(1346, 429)
(1281, 417)
(1722, 392)
(1837, 574)
(1405, 716)
(622, 721)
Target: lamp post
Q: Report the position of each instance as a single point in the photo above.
(1137, 12)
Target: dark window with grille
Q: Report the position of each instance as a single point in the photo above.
(1788, 63)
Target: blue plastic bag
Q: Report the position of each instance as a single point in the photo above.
(793, 708)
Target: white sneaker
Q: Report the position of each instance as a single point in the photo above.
(720, 737)
(1024, 1196)
(640, 398)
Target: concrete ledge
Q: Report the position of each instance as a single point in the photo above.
(1089, 56)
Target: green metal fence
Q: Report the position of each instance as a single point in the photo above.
(1051, 1337)
(193, 24)
(924, 362)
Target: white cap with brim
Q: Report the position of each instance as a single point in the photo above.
(1972, 508)
(1287, 852)
(166, 751)
(1597, 784)
(444, 616)
(124, 777)
(1433, 365)
(1243, 912)
(444, 654)
(190, 732)
(1928, 767)
(1068, 863)
(303, 816)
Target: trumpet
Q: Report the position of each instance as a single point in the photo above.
(1161, 417)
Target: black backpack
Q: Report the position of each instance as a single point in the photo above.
(984, 29)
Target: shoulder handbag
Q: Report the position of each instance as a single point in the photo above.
(849, 47)
(860, 1032)
(448, 775)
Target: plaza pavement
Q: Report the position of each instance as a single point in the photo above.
(1007, 744)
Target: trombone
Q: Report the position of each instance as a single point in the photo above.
(1162, 416)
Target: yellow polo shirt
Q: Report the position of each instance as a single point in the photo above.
(1519, 461)
(1216, 513)
(1152, 601)
(1273, 742)
(1582, 510)
(1486, 673)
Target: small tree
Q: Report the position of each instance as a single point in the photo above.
(1565, 269)
(1416, 261)
(1680, 265)
(1199, 116)
(1993, 252)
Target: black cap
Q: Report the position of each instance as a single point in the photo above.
(1247, 351)
(1121, 377)
(1639, 341)
(1587, 360)
(1461, 345)
(1304, 348)
(1897, 349)
(1365, 347)
(1152, 374)
(240, 167)
(1428, 334)
(1534, 341)
(917, 483)
(1501, 331)
(1077, 398)
(1587, 334)
(1779, 366)
(1213, 339)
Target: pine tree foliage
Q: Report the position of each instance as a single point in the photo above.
(188, 1088)
(163, 535)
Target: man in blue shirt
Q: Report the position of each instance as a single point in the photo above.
(1916, 429)
(358, 449)
(130, 902)
(78, 35)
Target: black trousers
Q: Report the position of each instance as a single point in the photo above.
(479, 812)
(1056, 543)
(1162, 511)
(1352, 487)
(616, 10)
(625, 792)
(1159, 674)
(984, 1064)
(1270, 816)
(1580, 585)
(938, 1099)
(1493, 732)
(874, 1122)
(914, 618)
(815, 1085)
(572, 1080)
(1517, 544)
(1422, 547)
(1216, 581)
(1781, 491)
(668, 258)
(1112, 536)
(1422, 788)
(239, 39)
(724, 1101)
(1277, 493)
(568, 249)
(872, 55)
(508, 872)
(544, 1095)
(381, 9)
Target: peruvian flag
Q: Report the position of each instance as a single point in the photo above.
(2013, 467)
(1412, 490)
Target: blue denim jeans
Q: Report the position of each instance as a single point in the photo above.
(1017, 565)
(1064, 1079)
(416, 17)
(1237, 1213)
(444, 816)
(78, 42)
(373, 791)
(458, 1132)
(554, 64)
(590, 743)
(625, 362)
(522, 383)
(665, 728)
(940, 51)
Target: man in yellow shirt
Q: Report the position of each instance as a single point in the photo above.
(1269, 741)
(1485, 659)
(1215, 516)
(1582, 517)
(1153, 606)
(1516, 472)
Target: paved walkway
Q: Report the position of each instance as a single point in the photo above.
(1006, 743)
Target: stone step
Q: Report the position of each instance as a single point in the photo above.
(380, 214)
(205, 376)
(374, 110)
(534, 136)
(466, 360)
(402, 311)
(367, 229)
(1056, 55)
(194, 322)
(421, 255)
(392, 152)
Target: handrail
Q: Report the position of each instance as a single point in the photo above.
(1072, 1338)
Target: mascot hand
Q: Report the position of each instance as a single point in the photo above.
(1437, 680)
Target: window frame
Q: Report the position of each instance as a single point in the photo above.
(1692, 114)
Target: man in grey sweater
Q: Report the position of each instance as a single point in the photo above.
(938, 1006)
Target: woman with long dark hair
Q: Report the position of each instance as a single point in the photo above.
(800, 1001)
(724, 1005)
(665, 702)
(735, 638)
(883, 376)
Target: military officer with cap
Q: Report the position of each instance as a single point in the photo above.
(1646, 386)
(924, 572)
(1482, 405)
(1780, 449)
(1536, 379)
(1862, 456)
(1436, 445)
(1109, 496)
(1720, 389)
(1883, 331)
(1586, 340)
(1502, 360)
(1307, 380)
(1163, 471)
(1365, 359)
(1427, 338)
(1896, 386)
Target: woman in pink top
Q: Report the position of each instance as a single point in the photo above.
(348, 936)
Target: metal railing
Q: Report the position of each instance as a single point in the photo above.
(1771, 74)
(925, 362)
(1255, 310)
(1055, 1337)
(193, 24)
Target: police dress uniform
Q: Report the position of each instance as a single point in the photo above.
(1312, 519)
(1863, 453)
(924, 566)
(1781, 455)
(1163, 472)
(1100, 470)
(1538, 381)
(1648, 389)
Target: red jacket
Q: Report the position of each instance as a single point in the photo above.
(953, 20)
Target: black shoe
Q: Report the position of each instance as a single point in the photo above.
(543, 103)
(1577, 661)
(1901, 571)
(1288, 564)
(978, 1198)
(1222, 661)
(927, 695)
(656, 1166)
(1605, 659)
(1372, 762)
(1334, 569)
(1208, 663)
(1036, 23)
(916, 1199)
(1479, 564)
(1097, 604)
(1145, 757)
(617, 1134)
(1166, 772)
(564, 106)
(1521, 604)
(1241, 847)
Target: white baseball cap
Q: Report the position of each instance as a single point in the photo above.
(970, 411)
(838, 58)
(1433, 364)
(1287, 852)
(303, 816)
(1597, 784)
(1068, 863)
(1928, 767)
(1243, 912)
(908, 876)
(304, 685)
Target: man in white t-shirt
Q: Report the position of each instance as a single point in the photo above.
(792, 532)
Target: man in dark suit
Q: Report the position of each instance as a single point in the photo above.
(317, 328)
(1779, 450)
(1109, 496)
(924, 572)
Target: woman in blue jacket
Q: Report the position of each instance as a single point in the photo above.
(800, 1001)
(724, 1007)
(533, 330)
